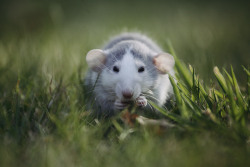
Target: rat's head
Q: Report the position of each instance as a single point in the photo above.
(129, 70)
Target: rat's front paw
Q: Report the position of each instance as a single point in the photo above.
(119, 105)
(141, 101)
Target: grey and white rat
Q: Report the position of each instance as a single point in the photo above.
(131, 68)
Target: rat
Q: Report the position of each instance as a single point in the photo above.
(129, 69)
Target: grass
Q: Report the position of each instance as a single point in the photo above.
(43, 119)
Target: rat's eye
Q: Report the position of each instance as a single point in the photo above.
(141, 69)
(116, 69)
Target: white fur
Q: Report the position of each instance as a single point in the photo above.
(127, 79)
(108, 91)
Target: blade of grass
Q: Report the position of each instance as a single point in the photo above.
(228, 75)
(202, 90)
(181, 68)
(180, 103)
(237, 91)
(221, 80)
(169, 115)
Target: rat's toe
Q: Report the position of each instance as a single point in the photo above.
(141, 101)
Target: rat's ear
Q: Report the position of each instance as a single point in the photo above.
(96, 59)
(164, 62)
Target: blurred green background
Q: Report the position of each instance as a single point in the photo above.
(42, 57)
(203, 33)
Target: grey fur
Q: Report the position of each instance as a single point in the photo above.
(142, 48)
(134, 37)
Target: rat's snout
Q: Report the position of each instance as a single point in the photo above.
(127, 94)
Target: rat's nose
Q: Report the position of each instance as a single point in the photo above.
(127, 94)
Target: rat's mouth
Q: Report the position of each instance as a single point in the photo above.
(127, 100)
(131, 100)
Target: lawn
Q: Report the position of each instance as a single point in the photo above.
(43, 118)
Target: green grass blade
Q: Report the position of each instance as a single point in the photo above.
(176, 91)
(195, 108)
(183, 88)
(179, 101)
(228, 75)
(181, 68)
(235, 112)
(221, 80)
(202, 90)
(237, 90)
(167, 114)
(246, 70)
(218, 93)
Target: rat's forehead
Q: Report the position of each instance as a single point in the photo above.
(118, 55)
